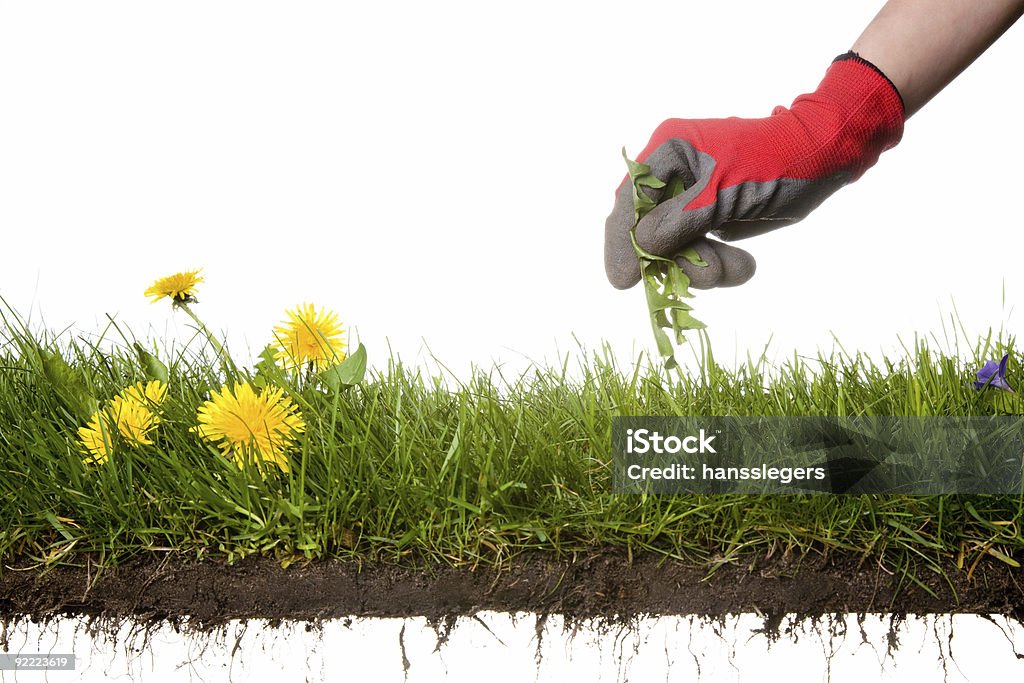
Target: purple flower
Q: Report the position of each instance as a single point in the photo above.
(994, 375)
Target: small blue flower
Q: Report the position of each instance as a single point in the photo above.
(994, 375)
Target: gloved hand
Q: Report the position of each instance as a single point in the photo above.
(744, 177)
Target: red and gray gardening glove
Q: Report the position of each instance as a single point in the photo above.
(744, 177)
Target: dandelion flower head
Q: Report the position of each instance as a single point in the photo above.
(132, 413)
(310, 336)
(180, 287)
(246, 425)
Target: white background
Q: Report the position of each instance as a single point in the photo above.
(439, 173)
(497, 647)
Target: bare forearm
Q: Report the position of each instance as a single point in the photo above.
(922, 45)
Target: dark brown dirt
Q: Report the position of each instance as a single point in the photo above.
(601, 585)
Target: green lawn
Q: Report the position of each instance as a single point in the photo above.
(401, 466)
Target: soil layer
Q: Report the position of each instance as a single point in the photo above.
(601, 585)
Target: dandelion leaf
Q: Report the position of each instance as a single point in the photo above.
(348, 372)
(674, 187)
(666, 285)
(151, 365)
(691, 255)
(268, 372)
(70, 385)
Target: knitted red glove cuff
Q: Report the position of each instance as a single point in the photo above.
(855, 114)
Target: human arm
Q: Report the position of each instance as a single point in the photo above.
(923, 45)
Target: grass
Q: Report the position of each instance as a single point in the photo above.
(404, 467)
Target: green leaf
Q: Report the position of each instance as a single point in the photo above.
(151, 365)
(684, 321)
(674, 188)
(56, 524)
(636, 169)
(678, 282)
(69, 384)
(666, 285)
(651, 181)
(267, 370)
(348, 372)
(691, 255)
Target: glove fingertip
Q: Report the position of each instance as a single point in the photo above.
(622, 277)
(738, 267)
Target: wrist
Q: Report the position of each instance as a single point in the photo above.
(852, 56)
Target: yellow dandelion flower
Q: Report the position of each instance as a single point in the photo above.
(310, 336)
(250, 426)
(150, 394)
(180, 287)
(130, 413)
